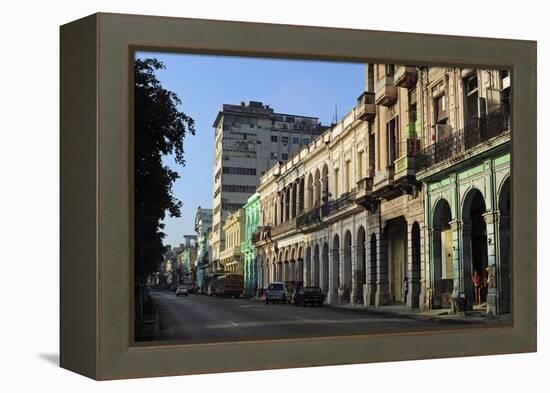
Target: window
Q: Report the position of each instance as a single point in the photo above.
(285, 156)
(347, 178)
(274, 156)
(274, 138)
(284, 139)
(239, 171)
(296, 141)
(336, 181)
(473, 108)
(440, 109)
(238, 188)
(306, 141)
(391, 128)
(360, 165)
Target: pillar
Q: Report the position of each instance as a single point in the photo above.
(492, 292)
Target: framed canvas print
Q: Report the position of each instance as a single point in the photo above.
(242, 196)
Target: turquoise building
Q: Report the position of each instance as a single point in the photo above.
(252, 217)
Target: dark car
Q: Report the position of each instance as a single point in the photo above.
(311, 295)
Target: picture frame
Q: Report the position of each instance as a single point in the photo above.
(96, 306)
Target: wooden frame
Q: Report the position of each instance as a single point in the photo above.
(96, 226)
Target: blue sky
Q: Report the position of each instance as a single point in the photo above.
(205, 82)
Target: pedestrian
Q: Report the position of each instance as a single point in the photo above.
(405, 288)
(476, 280)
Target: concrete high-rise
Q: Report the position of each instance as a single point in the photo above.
(249, 139)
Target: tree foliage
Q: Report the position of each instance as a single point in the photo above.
(160, 129)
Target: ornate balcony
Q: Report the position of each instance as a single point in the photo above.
(404, 166)
(287, 226)
(405, 76)
(455, 145)
(386, 92)
(363, 196)
(309, 219)
(339, 203)
(261, 235)
(366, 109)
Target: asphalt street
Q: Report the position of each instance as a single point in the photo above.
(209, 319)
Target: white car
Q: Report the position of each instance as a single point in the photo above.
(182, 291)
(275, 292)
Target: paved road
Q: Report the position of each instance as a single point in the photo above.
(208, 319)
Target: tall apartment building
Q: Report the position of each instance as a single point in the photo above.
(249, 139)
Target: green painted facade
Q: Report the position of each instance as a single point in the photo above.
(252, 217)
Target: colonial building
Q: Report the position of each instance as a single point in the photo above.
(231, 258)
(402, 199)
(465, 172)
(249, 139)
(252, 221)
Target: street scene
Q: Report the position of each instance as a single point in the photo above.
(206, 319)
(274, 202)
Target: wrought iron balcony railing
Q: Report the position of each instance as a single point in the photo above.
(340, 203)
(286, 226)
(309, 218)
(477, 130)
(261, 234)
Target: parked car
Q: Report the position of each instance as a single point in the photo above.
(309, 295)
(181, 290)
(275, 293)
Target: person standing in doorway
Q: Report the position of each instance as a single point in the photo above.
(476, 280)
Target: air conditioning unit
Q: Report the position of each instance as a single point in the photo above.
(441, 131)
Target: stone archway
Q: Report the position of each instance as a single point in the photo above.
(361, 266)
(325, 268)
(474, 240)
(307, 270)
(414, 274)
(442, 256)
(315, 271)
(334, 282)
(344, 289)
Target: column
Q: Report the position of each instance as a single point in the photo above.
(492, 292)
(321, 189)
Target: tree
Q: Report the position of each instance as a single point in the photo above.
(160, 129)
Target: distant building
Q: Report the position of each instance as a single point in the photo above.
(248, 252)
(203, 228)
(249, 139)
(234, 228)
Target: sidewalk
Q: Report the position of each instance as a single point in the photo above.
(478, 315)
